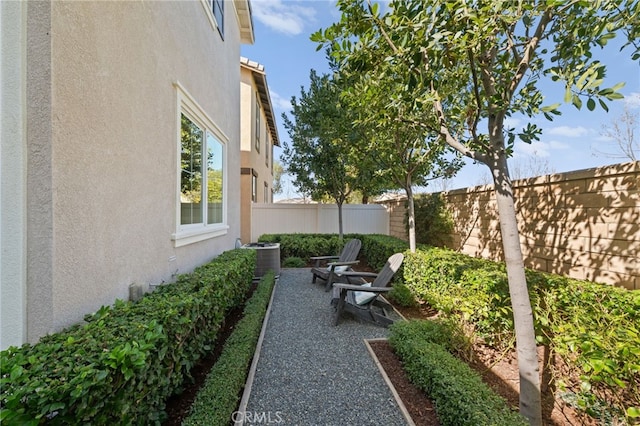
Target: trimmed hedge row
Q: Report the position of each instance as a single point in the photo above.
(120, 367)
(376, 248)
(593, 327)
(218, 398)
(305, 246)
(460, 396)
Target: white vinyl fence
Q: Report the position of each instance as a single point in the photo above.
(317, 218)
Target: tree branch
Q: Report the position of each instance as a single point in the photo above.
(382, 31)
(476, 94)
(529, 50)
(450, 140)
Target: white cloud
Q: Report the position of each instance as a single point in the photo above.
(279, 102)
(539, 148)
(512, 122)
(289, 18)
(568, 132)
(632, 100)
(558, 145)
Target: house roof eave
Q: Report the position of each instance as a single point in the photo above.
(260, 79)
(245, 21)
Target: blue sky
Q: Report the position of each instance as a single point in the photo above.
(282, 29)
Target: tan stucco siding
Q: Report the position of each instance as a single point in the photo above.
(114, 143)
(254, 161)
(247, 105)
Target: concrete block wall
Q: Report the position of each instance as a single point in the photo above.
(583, 224)
(397, 210)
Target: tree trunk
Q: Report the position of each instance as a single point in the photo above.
(340, 232)
(412, 216)
(530, 399)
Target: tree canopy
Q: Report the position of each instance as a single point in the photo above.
(322, 155)
(463, 65)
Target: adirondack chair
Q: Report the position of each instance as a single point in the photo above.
(330, 271)
(362, 299)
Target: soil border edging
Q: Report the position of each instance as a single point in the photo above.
(254, 363)
(392, 388)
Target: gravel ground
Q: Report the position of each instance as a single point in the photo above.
(311, 373)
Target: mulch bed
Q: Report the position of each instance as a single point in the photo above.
(179, 406)
(416, 402)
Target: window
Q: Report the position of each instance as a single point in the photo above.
(215, 13)
(191, 139)
(201, 205)
(254, 186)
(257, 124)
(217, 8)
(266, 151)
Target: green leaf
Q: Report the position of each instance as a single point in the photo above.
(618, 86)
(576, 101)
(614, 96)
(633, 412)
(567, 94)
(56, 406)
(375, 7)
(16, 372)
(551, 108)
(591, 104)
(603, 105)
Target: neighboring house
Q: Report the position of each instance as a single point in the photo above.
(112, 113)
(258, 135)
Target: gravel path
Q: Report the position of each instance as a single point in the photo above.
(311, 373)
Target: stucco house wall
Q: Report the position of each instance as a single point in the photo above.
(257, 159)
(104, 84)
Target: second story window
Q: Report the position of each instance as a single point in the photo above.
(217, 7)
(254, 186)
(266, 151)
(257, 124)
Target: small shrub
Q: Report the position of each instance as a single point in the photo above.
(293, 262)
(446, 332)
(460, 396)
(401, 295)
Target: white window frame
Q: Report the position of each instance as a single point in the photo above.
(208, 7)
(193, 233)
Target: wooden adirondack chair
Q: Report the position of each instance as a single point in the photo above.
(362, 299)
(331, 270)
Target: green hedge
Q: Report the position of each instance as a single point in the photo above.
(218, 398)
(460, 396)
(376, 249)
(593, 327)
(120, 367)
(305, 246)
